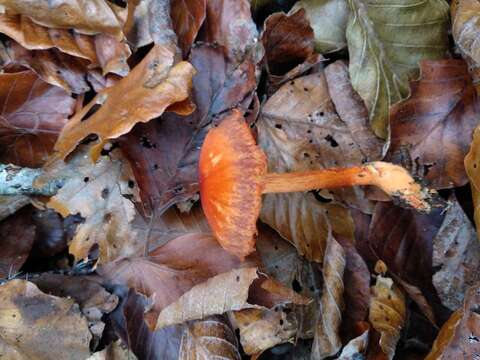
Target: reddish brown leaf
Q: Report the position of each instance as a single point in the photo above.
(288, 41)
(432, 130)
(172, 269)
(459, 337)
(164, 153)
(52, 66)
(187, 17)
(93, 17)
(17, 234)
(145, 93)
(33, 114)
(103, 50)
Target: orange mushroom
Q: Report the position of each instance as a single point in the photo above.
(233, 176)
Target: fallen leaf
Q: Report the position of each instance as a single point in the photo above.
(288, 41)
(33, 114)
(100, 50)
(155, 83)
(473, 171)
(219, 294)
(52, 66)
(88, 17)
(167, 179)
(304, 221)
(465, 27)
(172, 269)
(95, 191)
(459, 336)
(93, 299)
(327, 340)
(456, 255)
(433, 128)
(261, 329)
(34, 325)
(208, 339)
(17, 234)
(10, 204)
(229, 23)
(114, 351)
(381, 62)
(328, 19)
(187, 18)
(387, 313)
(149, 21)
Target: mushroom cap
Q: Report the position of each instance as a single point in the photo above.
(231, 172)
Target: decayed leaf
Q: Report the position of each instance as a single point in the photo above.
(93, 299)
(459, 337)
(103, 50)
(164, 153)
(355, 347)
(34, 325)
(33, 114)
(114, 351)
(211, 338)
(456, 254)
(229, 23)
(432, 130)
(95, 191)
(187, 18)
(219, 294)
(10, 204)
(52, 66)
(472, 166)
(305, 222)
(328, 19)
(387, 313)
(89, 17)
(17, 234)
(327, 340)
(386, 41)
(261, 329)
(153, 85)
(149, 21)
(465, 28)
(288, 41)
(172, 269)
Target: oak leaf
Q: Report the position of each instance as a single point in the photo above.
(145, 93)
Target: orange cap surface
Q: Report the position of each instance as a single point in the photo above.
(231, 171)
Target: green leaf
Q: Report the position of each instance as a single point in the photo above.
(386, 40)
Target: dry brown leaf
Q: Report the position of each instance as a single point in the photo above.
(52, 66)
(153, 85)
(100, 50)
(33, 114)
(261, 329)
(34, 325)
(172, 269)
(187, 18)
(472, 166)
(219, 294)
(387, 313)
(305, 222)
(431, 131)
(96, 192)
(211, 338)
(85, 16)
(456, 255)
(327, 340)
(459, 337)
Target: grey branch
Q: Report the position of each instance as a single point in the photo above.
(15, 180)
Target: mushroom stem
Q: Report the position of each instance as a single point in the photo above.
(392, 179)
